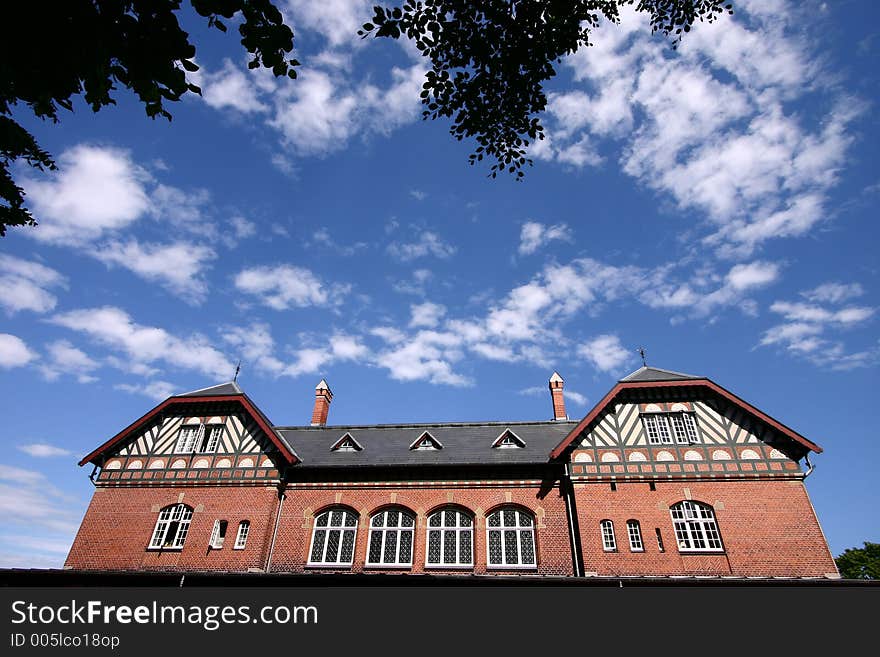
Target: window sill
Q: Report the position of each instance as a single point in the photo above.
(698, 552)
(328, 566)
(440, 566)
(511, 567)
(165, 549)
(383, 566)
(642, 550)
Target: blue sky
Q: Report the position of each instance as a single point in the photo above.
(716, 205)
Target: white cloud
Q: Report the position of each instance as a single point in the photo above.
(64, 358)
(427, 355)
(540, 391)
(712, 125)
(285, 286)
(418, 194)
(534, 235)
(178, 266)
(155, 390)
(230, 88)
(336, 20)
(14, 352)
(426, 314)
(242, 227)
(834, 292)
(24, 285)
(428, 244)
(752, 275)
(96, 189)
(146, 346)
(803, 334)
(28, 498)
(605, 352)
(44, 450)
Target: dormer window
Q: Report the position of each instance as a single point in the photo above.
(508, 440)
(426, 442)
(666, 428)
(346, 444)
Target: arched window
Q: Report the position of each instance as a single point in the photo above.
(450, 538)
(333, 538)
(510, 539)
(695, 527)
(634, 531)
(171, 527)
(244, 528)
(218, 534)
(391, 538)
(609, 543)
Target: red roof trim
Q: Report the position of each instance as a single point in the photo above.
(711, 385)
(173, 401)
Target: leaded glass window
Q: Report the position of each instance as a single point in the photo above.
(171, 527)
(695, 527)
(634, 531)
(333, 538)
(450, 538)
(391, 538)
(609, 543)
(510, 539)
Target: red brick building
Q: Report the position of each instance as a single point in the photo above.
(670, 474)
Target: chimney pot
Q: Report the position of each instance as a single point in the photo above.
(323, 397)
(556, 384)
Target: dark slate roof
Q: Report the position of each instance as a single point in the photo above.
(656, 374)
(389, 444)
(230, 388)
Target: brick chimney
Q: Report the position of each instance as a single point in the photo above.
(323, 397)
(556, 385)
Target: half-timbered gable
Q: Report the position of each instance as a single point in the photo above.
(680, 425)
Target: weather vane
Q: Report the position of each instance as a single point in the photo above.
(237, 370)
(641, 351)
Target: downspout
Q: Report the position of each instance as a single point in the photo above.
(281, 495)
(810, 465)
(573, 528)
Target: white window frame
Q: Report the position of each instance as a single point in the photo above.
(523, 525)
(634, 532)
(218, 534)
(463, 526)
(679, 427)
(241, 536)
(379, 527)
(609, 541)
(696, 529)
(341, 530)
(211, 439)
(190, 435)
(176, 516)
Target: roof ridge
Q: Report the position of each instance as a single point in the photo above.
(191, 393)
(647, 368)
(424, 425)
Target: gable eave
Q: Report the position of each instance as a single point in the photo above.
(145, 419)
(703, 383)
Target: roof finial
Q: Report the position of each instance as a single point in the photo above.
(641, 351)
(237, 370)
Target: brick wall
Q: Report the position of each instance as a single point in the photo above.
(119, 523)
(301, 506)
(768, 529)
